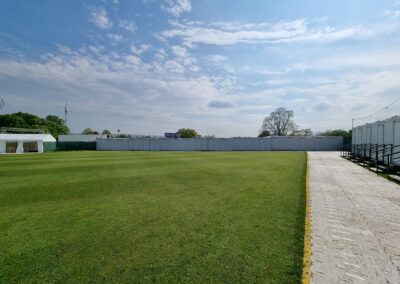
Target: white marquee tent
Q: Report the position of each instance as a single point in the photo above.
(21, 143)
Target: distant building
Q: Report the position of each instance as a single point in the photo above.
(26, 143)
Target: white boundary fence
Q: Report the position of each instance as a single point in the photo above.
(295, 143)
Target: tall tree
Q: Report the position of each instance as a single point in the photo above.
(89, 131)
(56, 126)
(187, 133)
(264, 133)
(346, 134)
(279, 123)
(51, 124)
(303, 132)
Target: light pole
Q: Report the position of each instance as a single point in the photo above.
(66, 112)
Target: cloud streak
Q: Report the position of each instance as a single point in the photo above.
(128, 25)
(230, 33)
(221, 104)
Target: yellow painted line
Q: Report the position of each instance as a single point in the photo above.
(307, 234)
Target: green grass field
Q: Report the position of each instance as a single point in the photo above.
(162, 217)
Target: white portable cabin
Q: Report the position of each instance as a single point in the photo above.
(380, 132)
(23, 143)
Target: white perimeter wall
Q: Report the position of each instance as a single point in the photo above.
(80, 138)
(223, 144)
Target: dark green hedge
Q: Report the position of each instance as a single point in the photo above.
(69, 146)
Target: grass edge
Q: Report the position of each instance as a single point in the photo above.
(306, 275)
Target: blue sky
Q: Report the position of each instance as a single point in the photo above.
(219, 66)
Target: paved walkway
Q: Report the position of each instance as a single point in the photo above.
(355, 220)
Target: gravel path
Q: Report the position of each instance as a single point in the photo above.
(355, 219)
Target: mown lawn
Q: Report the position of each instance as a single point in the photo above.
(159, 217)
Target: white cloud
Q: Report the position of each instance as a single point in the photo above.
(275, 82)
(99, 17)
(228, 33)
(221, 104)
(161, 54)
(174, 67)
(133, 59)
(177, 7)
(323, 105)
(140, 49)
(128, 25)
(64, 49)
(179, 51)
(217, 58)
(361, 60)
(183, 57)
(116, 38)
(153, 89)
(194, 68)
(337, 61)
(91, 49)
(110, 89)
(332, 102)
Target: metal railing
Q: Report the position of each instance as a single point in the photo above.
(382, 157)
(391, 157)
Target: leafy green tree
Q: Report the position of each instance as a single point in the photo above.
(89, 131)
(303, 132)
(51, 124)
(56, 126)
(307, 132)
(280, 122)
(209, 136)
(336, 132)
(264, 133)
(21, 120)
(188, 133)
(346, 134)
(12, 120)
